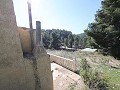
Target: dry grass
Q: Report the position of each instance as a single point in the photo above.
(107, 65)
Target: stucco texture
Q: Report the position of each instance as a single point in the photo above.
(45, 74)
(25, 39)
(16, 72)
(12, 71)
(38, 73)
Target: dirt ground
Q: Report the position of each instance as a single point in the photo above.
(64, 79)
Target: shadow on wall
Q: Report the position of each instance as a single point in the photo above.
(26, 39)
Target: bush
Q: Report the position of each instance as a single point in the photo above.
(93, 79)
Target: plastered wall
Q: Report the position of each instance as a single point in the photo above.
(25, 39)
(16, 72)
(38, 73)
(12, 70)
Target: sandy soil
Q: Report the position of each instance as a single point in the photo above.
(64, 79)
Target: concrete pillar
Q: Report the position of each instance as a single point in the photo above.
(12, 70)
(42, 60)
(30, 24)
(38, 33)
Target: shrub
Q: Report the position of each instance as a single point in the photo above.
(93, 79)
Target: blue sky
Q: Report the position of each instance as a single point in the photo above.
(71, 15)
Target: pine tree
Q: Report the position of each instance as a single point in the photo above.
(65, 42)
(54, 41)
(76, 42)
(106, 29)
(70, 40)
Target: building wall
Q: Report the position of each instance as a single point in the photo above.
(38, 73)
(12, 70)
(16, 72)
(25, 39)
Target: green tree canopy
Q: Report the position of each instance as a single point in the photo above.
(70, 40)
(54, 41)
(106, 28)
(76, 42)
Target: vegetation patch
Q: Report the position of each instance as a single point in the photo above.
(95, 68)
(92, 78)
(113, 75)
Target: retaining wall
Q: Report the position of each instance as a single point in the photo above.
(67, 63)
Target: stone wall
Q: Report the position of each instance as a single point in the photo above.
(67, 63)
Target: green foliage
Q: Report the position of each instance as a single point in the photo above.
(64, 38)
(76, 42)
(82, 40)
(46, 40)
(65, 42)
(92, 78)
(58, 37)
(106, 29)
(70, 40)
(113, 75)
(54, 41)
(90, 42)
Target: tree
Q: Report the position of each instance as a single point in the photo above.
(106, 28)
(46, 41)
(54, 41)
(76, 41)
(82, 40)
(61, 35)
(70, 40)
(90, 42)
(65, 42)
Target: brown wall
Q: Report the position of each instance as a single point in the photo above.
(25, 39)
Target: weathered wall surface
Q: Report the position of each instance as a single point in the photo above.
(12, 70)
(67, 63)
(44, 71)
(16, 72)
(25, 39)
(38, 73)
